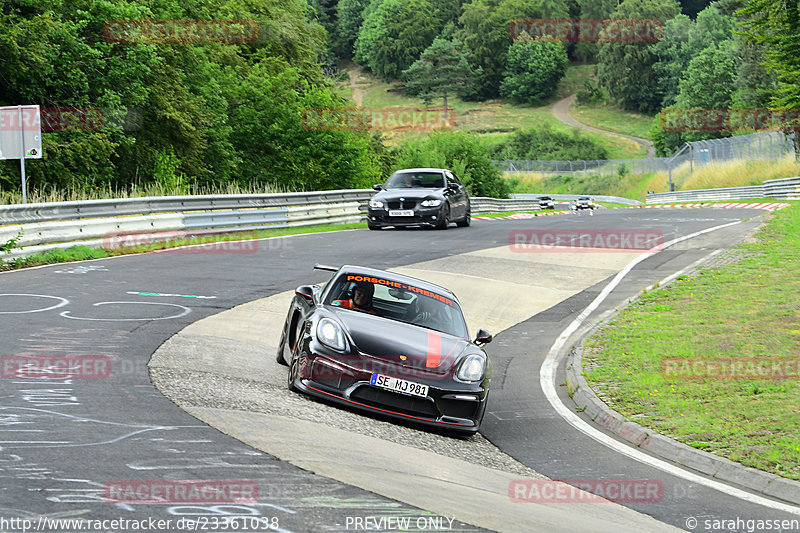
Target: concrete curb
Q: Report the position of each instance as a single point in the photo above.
(765, 483)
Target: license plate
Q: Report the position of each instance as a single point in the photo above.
(399, 385)
(401, 212)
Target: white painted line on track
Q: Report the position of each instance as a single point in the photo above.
(547, 376)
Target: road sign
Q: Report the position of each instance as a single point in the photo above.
(21, 136)
(20, 132)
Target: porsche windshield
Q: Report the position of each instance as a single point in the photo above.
(413, 180)
(398, 301)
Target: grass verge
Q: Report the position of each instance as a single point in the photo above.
(687, 361)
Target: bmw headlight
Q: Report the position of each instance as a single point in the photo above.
(375, 204)
(330, 334)
(472, 368)
(431, 203)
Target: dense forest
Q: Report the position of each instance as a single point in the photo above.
(208, 109)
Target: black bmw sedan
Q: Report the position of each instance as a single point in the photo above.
(431, 197)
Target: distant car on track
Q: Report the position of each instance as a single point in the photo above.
(388, 344)
(432, 197)
(583, 202)
(546, 202)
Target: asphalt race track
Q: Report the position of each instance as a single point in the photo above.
(66, 443)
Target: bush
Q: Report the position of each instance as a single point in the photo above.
(460, 152)
(534, 68)
(592, 94)
(545, 143)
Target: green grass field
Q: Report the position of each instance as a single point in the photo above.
(493, 119)
(663, 360)
(613, 119)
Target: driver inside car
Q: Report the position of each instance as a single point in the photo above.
(361, 299)
(431, 315)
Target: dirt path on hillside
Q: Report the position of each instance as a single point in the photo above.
(560, 110)
(358, 94)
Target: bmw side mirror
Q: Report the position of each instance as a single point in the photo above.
(452, 186)
(483, 337)
(377, 187)
(306, 291)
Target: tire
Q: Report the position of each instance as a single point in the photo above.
(292, 374)
(293, 368)
(467, 220)
(444, 222)
(372, 226)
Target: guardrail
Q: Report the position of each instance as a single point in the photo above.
(571, 197)
(780, 189)
(94, 223)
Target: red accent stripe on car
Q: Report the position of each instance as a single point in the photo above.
(434, 350)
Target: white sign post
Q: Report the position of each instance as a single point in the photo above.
(21, 136)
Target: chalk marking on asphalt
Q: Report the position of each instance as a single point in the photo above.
(547, 381)
(185, 311)
(61, 303)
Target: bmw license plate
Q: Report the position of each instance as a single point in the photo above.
(399, 385)
(401, 212)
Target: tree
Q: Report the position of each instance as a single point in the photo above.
(485, 34)
(683, 40)
(349, 17)
(591, 9)
(625, 69)
(534, 68)
(394, 34)
(210, 112)
(709, 83)
(442, 69)
(775, 24)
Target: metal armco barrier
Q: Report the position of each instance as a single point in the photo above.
(571, 197)
(779, 189)
(62, 224)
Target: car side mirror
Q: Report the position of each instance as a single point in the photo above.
(452, 186)
(377, 187)
(483, 337)
(306, 291)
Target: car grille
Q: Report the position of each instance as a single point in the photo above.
(407, 204)
(396, 402)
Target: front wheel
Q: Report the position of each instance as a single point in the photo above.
(467, 219)
(293, 370)
(444, 220)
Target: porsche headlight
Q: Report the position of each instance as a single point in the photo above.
(375, 204)
(330, 334)
(471, 368)
(431, 203)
